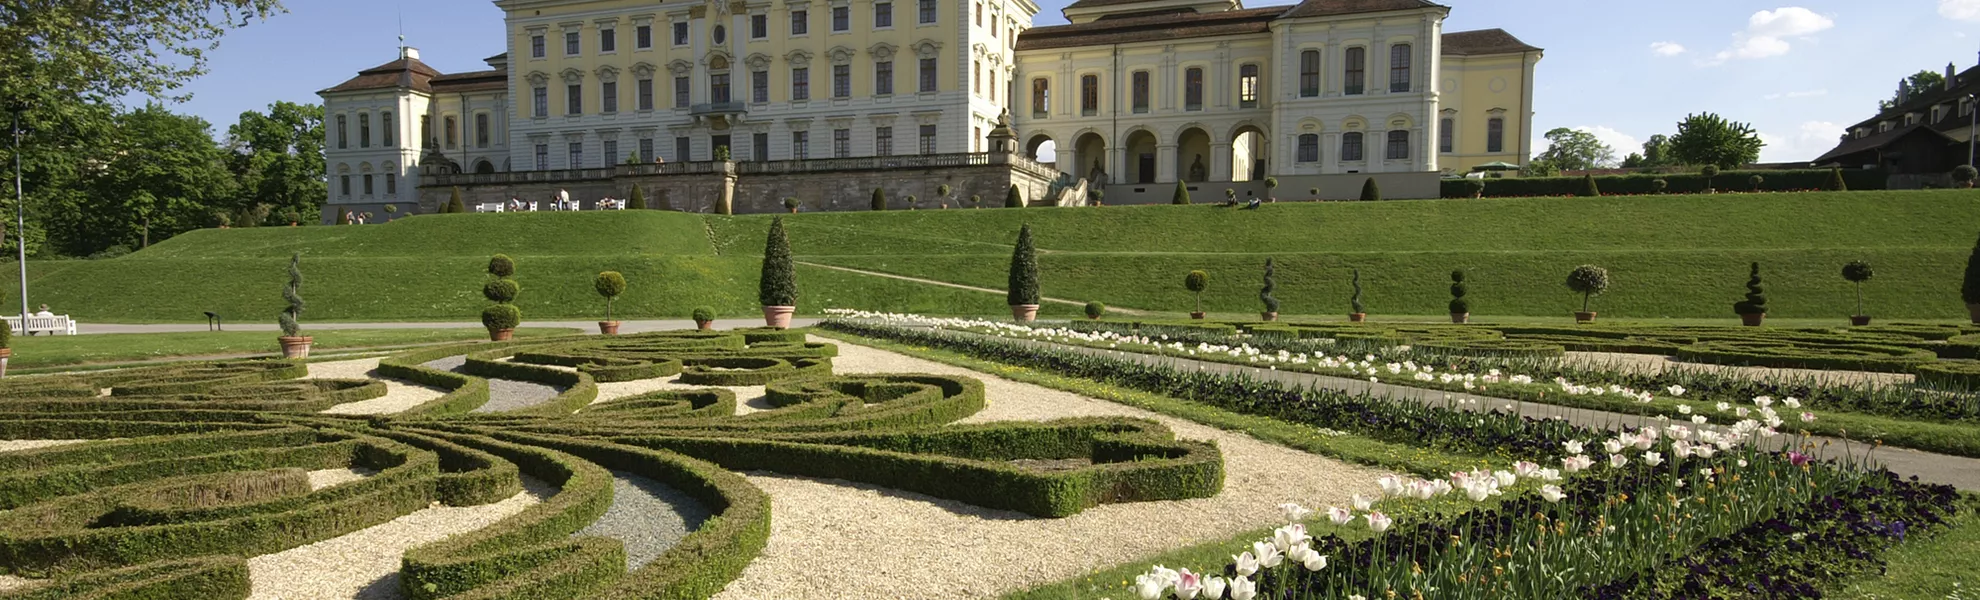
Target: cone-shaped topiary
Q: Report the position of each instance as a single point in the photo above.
(292, 294)
(778, 284)
(1095, 310)
(1271, 283)
(879, 199)
(1857, 272)
(1182, 194)
(1459, 305)
(1588, 280)
(1196, 282)
(1969, 290)
(1354, 301)
(1371, 190)
(1836, 183)
(455, 204)
(637, 201)
(1588, 188)
(1014, 198)
(1756, 299)
(1023, 286)
(609, 284)
(343, 217)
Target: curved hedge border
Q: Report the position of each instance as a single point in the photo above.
(1852, 357)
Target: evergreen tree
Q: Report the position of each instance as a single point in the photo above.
(1023, 287)
(778, 285)
(1371, 190)
(1355, 300)
(879, 199)
(289, 318)
(1014, 198)
(1182, 194)
(1756, 298)
(638, 199)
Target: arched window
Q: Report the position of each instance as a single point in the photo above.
(1399, 57)
(1351, 146)
(1357, 73)
(1309, 74)
(1398, 148)
(1495, 135)
(1089, 95)
(1247, 86)
(1309, 147)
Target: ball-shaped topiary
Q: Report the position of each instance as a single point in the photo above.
(1709, 171)
(942, 191)
(975, 199)
(703, 314)
(791, 203)
(1314, 192)
(1588, 280)
(1857, 272)
(1095, 310)
(1756, 298)
(502, 266)
(1753, 183)
(1459, 305)
(501, 316)
(502, 290)
(609, 284)
(1196, 282)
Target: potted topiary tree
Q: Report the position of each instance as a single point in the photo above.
(1753, 183)
(1022, 291)
(1271, 184)
(1858, 272)
(1710, 171)
(704, 318)
(1314, 192)
(1099, 196)
(502, 318)
(976, 201)
(1371, 190)
(1230, 197)
(1475, 188)
(390, 211)
(1588, 188)
(1196, 282)
(792, 204)
(1753, 309)
(1460, 307)
(942, 195)
(1589, 281)
(1182, 194)
(1095, 310)
(222, 220)
(294, 344)
(777, 288)
(1265, 294)
(911, 201)
(1836, 183)
(609, 284)
(879, 199)
(1359, 313)
(1964, 175)
(292, 217)
(1969, 289)
(1658, 186)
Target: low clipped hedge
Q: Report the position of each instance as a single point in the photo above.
(212, 577)
(741, 371)
(579, 388)
(1956, 375)
(1850, 357)
(1678, 183)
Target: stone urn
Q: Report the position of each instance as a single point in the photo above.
(1584, 316)
(1357, 317)
(608, 328)
(1859, 320)
(1268, 316)
(1752, 320)
(778, 316)
(501, 335)
(1024, 313)
(1460, 318)
(295, 347)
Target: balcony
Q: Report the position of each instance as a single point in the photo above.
(719, 114)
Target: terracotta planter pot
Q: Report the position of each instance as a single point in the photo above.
(295, 347)
(1093, 318)
(1357, 317)
(1024, 313)
(1859, 320)
(1974, 311)
(1196, 315)
(1584, 317)
(608, 328)
(778, 316)
(704, 325)
(1460, 318)
(1752, 320)
(5, 353)
(500, 335)
(1268, 316)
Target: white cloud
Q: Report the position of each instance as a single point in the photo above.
(1767, 31)
(1804, 143)
(1800, 94)
(1669, 48)
(1960, 10)
(1621, 143)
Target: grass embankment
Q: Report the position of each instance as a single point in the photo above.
(69, 350)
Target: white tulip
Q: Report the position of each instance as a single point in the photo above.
(1243, 589)
(1213, 588)
(1148, 587)
(1294, 512)
(1361, 502)
(1268, 554)
(1552, 493)
(1340, 516)
(1652, 459)
(1245, 563)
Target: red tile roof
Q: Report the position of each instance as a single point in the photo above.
(1324, 8)
(401, 73)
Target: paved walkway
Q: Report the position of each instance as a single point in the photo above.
(586, 326)
(1125, 311)
(1957, 471)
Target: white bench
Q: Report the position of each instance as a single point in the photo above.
(52, 325)
(489, 207)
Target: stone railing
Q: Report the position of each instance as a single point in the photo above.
(519, 177)
(872, 163)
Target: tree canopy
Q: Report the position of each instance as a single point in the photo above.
(1709, 139)
(1922, 82)
(1571, 150)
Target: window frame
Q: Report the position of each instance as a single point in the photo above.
(800, 84)
(883, 78)
(1041, 97)
(800, 145)
(883, 140)
(1307, 147)
(841, 82)
(540, 96)
(682, 91)
(643, 93)
(930, 12)
(576, 156)
(800, 22)
(1401, 74)
(841, 18)
(608, 40)
(1495, 135)
(1396, 147)
(642, 37)
(573, 99)
(481, 133)
(1089, 95)
(1353, 147)
(1354, 71)
(573, 43)
(759, 86)
(1140, 84)
(1193, 89)
(930, 75)
(1248, 85)
(608, 97)
(681, 33)
(883, 11)
(1309, 73)
(539, 46)
(926, 140)
(1446, 135)
(759, 26)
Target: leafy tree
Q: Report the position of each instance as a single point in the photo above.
(292, 294)
(1014, 198)
(1656, 153)
(1572, 150)
(161, 174)
(1023, 287)
(1756, 298)
(1182, 194)
(1857, 272)
(879, 199)
(1459, 305)
(1918, 84)
(1539, 168)
(1265, 293)
(609, 284)
(278, 158)
(778, 284)
(637, 201)
(1370, 190)
(1709, 139)
(1588, 280)
(86, 52)
(1588, 188)
(1196, 282)
(1633, 161)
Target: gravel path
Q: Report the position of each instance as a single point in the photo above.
(365, 564)
(1654, 363)
(329, 477)
(503, 394)
(10, 583)
(399, 395)
(12, 445)
(913, 546)
(749, 398)
(648, 516)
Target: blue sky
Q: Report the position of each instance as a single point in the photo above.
(1798, 70)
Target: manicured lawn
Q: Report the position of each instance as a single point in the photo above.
(1942, 566)
(479, 235)
(63, 350)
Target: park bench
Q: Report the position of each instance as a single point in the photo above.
(52, 325)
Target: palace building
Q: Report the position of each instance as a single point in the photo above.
(822, 100)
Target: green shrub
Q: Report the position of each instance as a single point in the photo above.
(454, 202)
(1659, 185)
(1965, 175)
(501, 266)
(1588, 280)
(1315, 192)
(609, 284)
(1756, 298)
(1709, 172)
(1354, 301)
(501, 290)
(912, 201)
(722, 154)
(976, 200)
(501, 316)
(1588, 188)
(1196, 282)
(879, 199)
(292, 294)
(1459, 305)
(703, 314)
(1182, 193)
(792, 203)
(778, 284)
(1674, 183)
(1014, 198)
(291, 216)
(1095, 310)
(1969, 290)
(1265, 292)
(942, 191)
(1371, 190)
(637, 201)
(1473, 188)
(1753, 182)
(1857, 272)
(1022, 287)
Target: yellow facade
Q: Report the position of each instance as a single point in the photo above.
(1475, 91)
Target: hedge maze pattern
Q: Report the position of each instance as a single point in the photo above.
(200, 466)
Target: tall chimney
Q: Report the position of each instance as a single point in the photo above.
(1950, 76)
(413, 53)
(1903, 92)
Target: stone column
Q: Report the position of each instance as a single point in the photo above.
(1220, 161)
(1165, 163)
(1330, 153)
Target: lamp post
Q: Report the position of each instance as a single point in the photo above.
(20, 217)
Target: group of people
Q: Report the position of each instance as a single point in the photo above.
(355, 218)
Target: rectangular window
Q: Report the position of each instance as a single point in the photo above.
(1445, 135)
(645, 150)
(453, 131)
(608, 97)
(386, 126)
(842, 81)
(1041, 97)
(574, 99)
(993, 26)
(800, 22)
(542, 157)
(928, 77)
(976, 140)
(481, 133)
(1089, 95)
(364, 130)
(800, 145)
(608, 40)
(683, 147)
(643, 37)
(572, 43)
(681, 92)
(541, 96)
(1351, 146)
(644, 88)
(842, 143)
(391, 184)
(536, 46)
(1357, 59)
(718, 87)
(841, 18)
(927, 139)
(680, 33)
(759, 86)
(1193, 88)
(577, 155)
(344, 181)
(883, 14)
(979, 14)
(1399, 57)
(1495, 135)
(800, 83)
(1309, 74)
(759, 27)
(976, 77)
(343, 133)
(883, 78)
(611, 153)
(883, 141)
(759, 146)
(1309, 147)
(426, 130)
(1248, 86)
(1140, 84)
(367, 184)
(927, 12)
(1398, 148)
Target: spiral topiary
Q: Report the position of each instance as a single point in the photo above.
(1271, 283)
(292, 294)
(1355, 300)
(1756, 298)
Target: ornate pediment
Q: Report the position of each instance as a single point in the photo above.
(927, 48)
(841, 55)
(717, 59)
(608, 73)
(644, 70)
(538, 78)
(758, 61)
(798, 58)
(680, 67)
(573, 76)
(882, 51)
